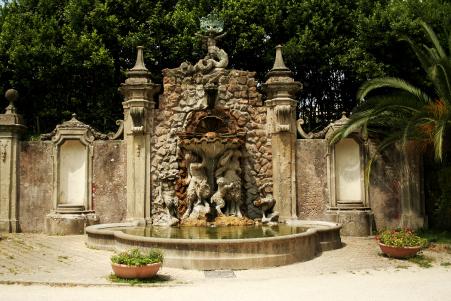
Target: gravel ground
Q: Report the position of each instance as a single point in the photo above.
(41, 267)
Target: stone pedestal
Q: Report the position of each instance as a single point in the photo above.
(139, 107)
(281, 111)
(11, 128)
(68, 224)
(354, 222)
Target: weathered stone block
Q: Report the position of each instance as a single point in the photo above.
(355, 222)
(68, 224)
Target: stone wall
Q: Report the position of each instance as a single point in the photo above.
(35, 184)
(311, 173)
(237, 94)
(109, 181)
(385, 190)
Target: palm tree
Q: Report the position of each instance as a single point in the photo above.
(403, 112)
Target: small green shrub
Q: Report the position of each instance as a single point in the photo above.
(401, 238)
(135, 257)
(157, 279)
(422, 261)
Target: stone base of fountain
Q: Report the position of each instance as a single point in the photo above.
(191, 247)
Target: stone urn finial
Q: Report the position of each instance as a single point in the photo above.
(11, 95)
(279, 64)
(139, 65)
(139, 73)
(279, 71)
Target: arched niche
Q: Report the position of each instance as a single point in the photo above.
(72, 167)
(73, 174)
(347, 160)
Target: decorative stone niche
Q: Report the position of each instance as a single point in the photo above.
(348, 191)
(72, 172)
(72, 178)
(346, 174)
(348, 197)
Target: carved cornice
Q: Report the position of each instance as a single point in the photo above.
(74, 128)
(325, 133)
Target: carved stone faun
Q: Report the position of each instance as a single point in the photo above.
(266, 205)
(165, 207)
(229, 181)
(198, 188)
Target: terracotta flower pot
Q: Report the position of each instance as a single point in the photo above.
(132, 272)
(399, 252)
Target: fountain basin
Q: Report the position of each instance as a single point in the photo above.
(217, 254)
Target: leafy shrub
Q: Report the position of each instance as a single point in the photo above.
(135, 257)
(401, 238)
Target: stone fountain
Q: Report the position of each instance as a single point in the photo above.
(211, 129)
(210, 154)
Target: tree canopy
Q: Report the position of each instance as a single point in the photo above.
(67, 56)
(402, 112)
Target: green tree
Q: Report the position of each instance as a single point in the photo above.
(71, 55)
(405, 112)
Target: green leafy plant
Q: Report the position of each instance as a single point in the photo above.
(156, 280)
(401, 238)
(134, 257)
(422, 261)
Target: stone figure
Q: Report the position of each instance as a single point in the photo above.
(229, 171)
(165, 208)
(216, 58)
(218, 198)
(198, 189)
(266, 205)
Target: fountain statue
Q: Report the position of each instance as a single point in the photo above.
(206, 137)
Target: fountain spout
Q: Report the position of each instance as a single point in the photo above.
(212, 94)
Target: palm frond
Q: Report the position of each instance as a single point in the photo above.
(391, 82)
(435, 41)
(440, 79)
(425, 60)
(438, 141)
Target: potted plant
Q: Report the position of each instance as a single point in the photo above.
(133, 263)
(400, 243)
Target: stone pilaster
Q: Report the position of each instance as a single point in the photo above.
(281, 105)
(138, 92)
(11, 128)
